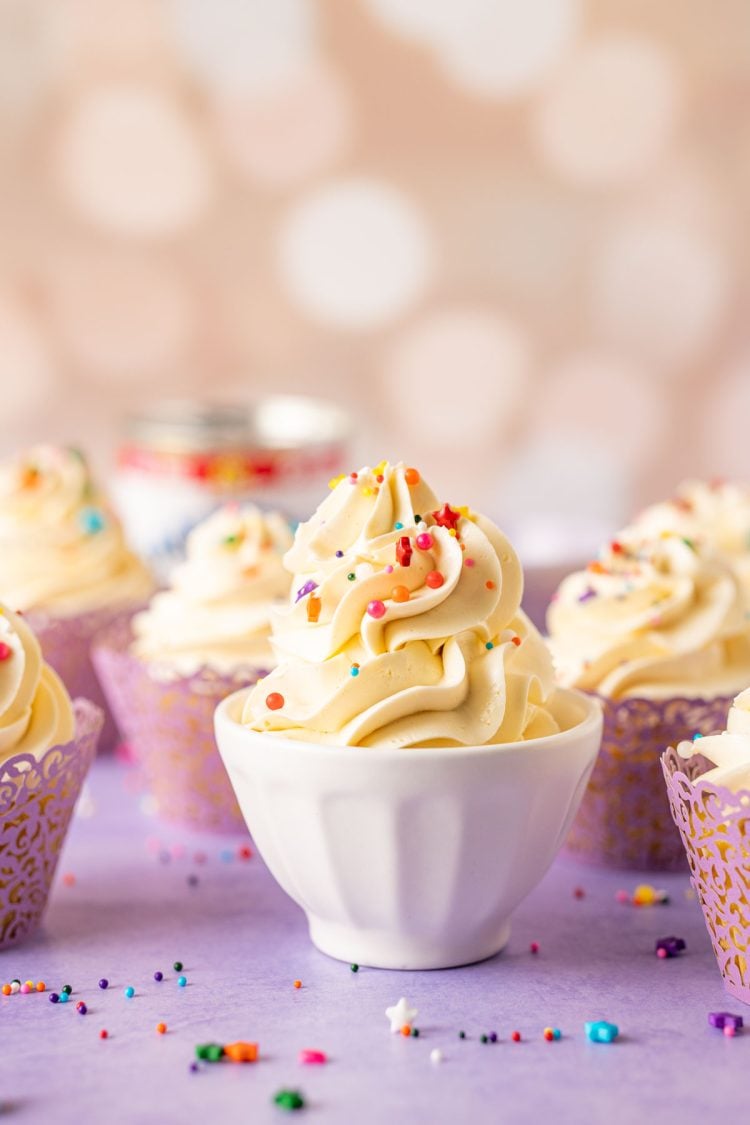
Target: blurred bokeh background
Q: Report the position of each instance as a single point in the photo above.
(510, 236)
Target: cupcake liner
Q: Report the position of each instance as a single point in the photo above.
(169, 725)
(66, 644)
(37, 798)
(624, 819)
(714, 826)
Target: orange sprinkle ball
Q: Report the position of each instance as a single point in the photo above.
(400, 593)
(5, 990)
(274, 701)
(161, 1028)
(406, 1030)
(241, 1052)
(490, 584)
(412, 477)
(434, 580)
(516, 641)
(40, 986)
(596, 568)
(298, 984)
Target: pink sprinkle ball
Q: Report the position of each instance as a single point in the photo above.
(25, 988)
(307, 1056)
(468, 562)
(662, 953)
(376, 609)
(534, 947)
(389, 569)
(622, 896)
(424, 541)
(729, 1031)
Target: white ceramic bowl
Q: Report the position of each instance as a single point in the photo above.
(410, 859)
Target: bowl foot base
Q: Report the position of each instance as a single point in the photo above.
(379, 949)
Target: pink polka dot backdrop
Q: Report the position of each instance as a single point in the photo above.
(509, 237)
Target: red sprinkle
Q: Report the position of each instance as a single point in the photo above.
(534, 947)
(515, 1036)
(516, 641)
(5, 651)
(434, 580)
(104, 1034)
(274, 701)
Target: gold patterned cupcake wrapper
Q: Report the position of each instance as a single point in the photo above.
(714, 827)
(624, 820)
(37, 798)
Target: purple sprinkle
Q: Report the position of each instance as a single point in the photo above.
(158, 976)
(308, 588)
(339, 554)
(493, 1037)
(725, 1019)
(194, 1067)
(587, 595)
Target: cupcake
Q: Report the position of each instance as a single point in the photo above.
(708, 782)
(409, 769)
(64, 562)
(656, 627)
(715, 513)
(164, 671)
(47, 744)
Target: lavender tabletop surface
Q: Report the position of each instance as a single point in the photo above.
(126, 903)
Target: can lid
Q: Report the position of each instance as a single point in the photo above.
(276, 422)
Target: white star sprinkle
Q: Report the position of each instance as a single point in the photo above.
(401, 1015)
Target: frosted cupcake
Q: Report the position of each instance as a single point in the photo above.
(164, 671)
(708, 782)
(409, 768)
(46, 747)
(657, 628)
(716, 514)
(64, 562)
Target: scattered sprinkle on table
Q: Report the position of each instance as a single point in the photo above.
(289, 1099)
(600, 1031)
(130, 992)
(401, 1015)
(104, 983)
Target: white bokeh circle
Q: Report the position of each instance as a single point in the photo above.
(503, 48)
(27, 371)
(595, 393)
(129, 160)
(245, 46)
(121, 316)
(492, 48)
(610, 111)
(459, 363)
(355, 253)
(659, 290)
(282, 136)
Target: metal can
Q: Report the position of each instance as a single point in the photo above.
(179, 460)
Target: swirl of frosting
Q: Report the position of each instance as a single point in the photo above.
(729, 751)
(61, 548)
(652, 617)
(716, 514)
(217, 612)
(35, 708)
(403, 627)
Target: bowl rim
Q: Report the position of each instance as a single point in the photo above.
(591, 722)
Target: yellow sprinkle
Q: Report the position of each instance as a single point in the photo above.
(466, 512)
(336, 480)
(379, 470)
(367, 492)
(452, 531)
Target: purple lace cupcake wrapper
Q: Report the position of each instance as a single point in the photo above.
(66, 644)
(714, 827)
(37, 798)
(624, 820)
(169, 726)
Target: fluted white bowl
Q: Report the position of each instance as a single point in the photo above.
(410, 859)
